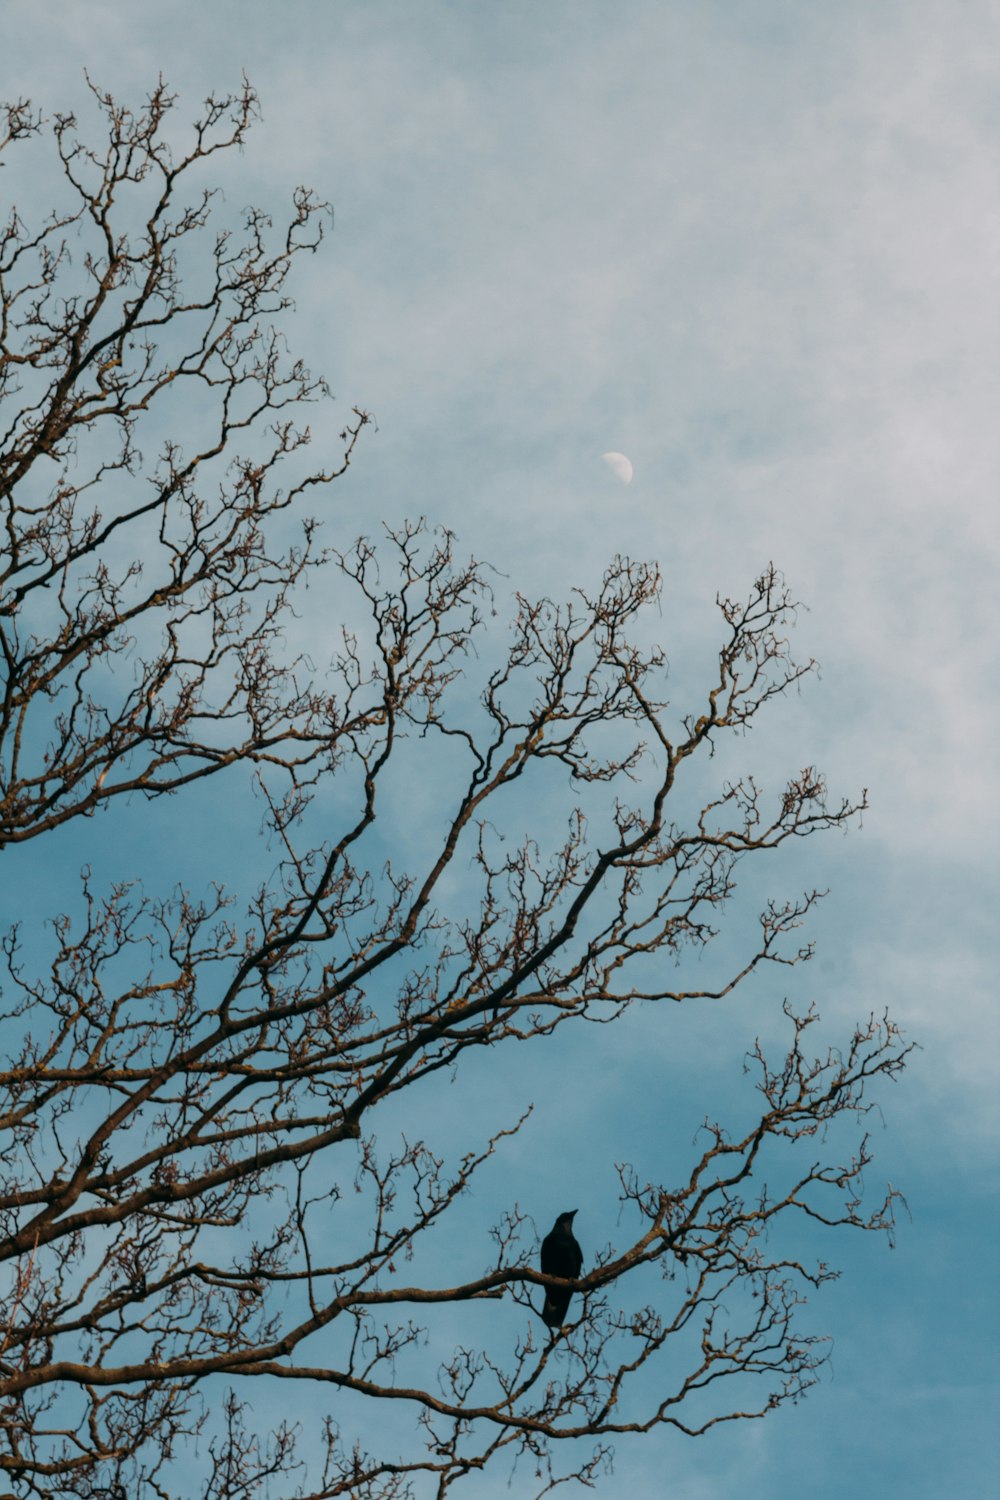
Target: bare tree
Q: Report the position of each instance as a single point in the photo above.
(188, 1086)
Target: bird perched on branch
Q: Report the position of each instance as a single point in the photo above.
(561, 1256)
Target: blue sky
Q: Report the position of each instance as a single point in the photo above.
(756, 247)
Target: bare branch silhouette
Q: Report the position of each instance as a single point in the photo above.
(191, 1083)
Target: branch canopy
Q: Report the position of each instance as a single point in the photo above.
(192, 1077)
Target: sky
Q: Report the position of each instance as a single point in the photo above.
(755, 246)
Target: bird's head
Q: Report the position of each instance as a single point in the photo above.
(568, 1217)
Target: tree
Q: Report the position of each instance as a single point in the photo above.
(190, 1085)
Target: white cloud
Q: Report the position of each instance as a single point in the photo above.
(755, 247)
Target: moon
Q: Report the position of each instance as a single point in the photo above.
(619, 465)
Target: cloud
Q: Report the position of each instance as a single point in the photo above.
(752, 246)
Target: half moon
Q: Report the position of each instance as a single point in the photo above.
(619, 465)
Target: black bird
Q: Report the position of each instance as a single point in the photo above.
(561, 1256)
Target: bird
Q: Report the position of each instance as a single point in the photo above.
(561, 1256)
